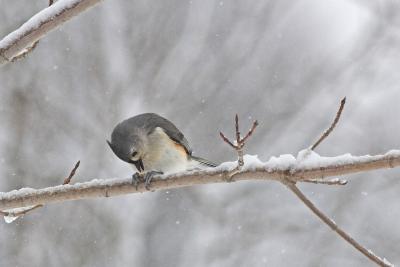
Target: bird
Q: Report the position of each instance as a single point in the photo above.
(153, 145)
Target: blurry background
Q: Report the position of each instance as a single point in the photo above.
(198, 63)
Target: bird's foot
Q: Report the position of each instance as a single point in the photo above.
(148, 177)
(136, 179)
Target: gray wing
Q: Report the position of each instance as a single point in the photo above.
(176, 135)
(152, 120)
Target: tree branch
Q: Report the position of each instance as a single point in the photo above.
(368, 253)
(279, 169)
(303, 156)
(307, 167)
(21, 40)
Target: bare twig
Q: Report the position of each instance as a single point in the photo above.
(19, 213)
(250, 132)
(227, 140)
(72, 173)
(237, 130)
(335, 227)
(326, 182)
(292, 186)
(240, 142)
(329, 130)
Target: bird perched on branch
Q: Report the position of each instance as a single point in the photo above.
(153, 145)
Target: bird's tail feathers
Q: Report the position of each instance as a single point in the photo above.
(203, 162)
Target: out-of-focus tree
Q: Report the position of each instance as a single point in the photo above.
(198, 63)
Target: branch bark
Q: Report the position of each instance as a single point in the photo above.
(39, 25)
(286, 171)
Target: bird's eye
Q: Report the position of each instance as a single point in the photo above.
(134, 153)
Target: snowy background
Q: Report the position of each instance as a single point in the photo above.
(199, 62)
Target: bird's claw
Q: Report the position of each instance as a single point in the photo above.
(147, 178)
(136, 179)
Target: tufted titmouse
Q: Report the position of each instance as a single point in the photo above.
(153, 145)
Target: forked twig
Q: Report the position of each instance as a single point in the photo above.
(368, 253)
(292, 186)
(240, 142)
(238, 146)
(335, 121)
(72, 173)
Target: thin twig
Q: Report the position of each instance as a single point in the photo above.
(237, 130)
(326, 182)
(19, 213)
(250, 132)
(72, 173)
(329, 130)
(368, 253)
(227, 140)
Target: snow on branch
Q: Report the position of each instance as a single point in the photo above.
(283, 168)
(23, 40)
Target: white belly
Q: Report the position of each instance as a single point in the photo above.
(163, 154)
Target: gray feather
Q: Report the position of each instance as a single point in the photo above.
(203, 161)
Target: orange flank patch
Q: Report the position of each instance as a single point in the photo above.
(181, 149)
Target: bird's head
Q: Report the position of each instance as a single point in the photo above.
(126, 145)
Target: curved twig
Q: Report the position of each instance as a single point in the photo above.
(330, 129)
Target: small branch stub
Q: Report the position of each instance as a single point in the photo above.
(72, 173)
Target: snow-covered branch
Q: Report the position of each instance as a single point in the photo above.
(286, 168)
(308, 166)
(39, 25)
